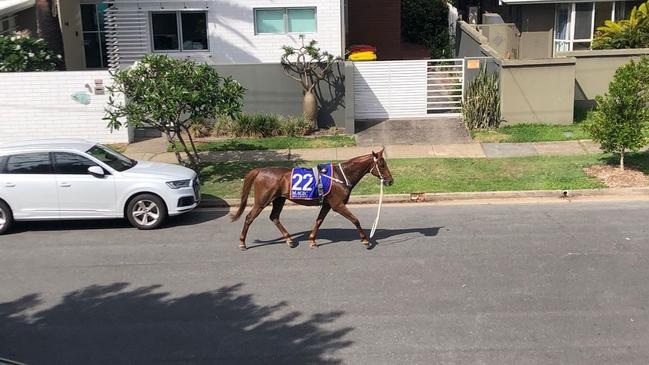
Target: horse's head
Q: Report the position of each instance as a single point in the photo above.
(380, 168)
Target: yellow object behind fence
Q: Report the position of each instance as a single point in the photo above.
(363, 56)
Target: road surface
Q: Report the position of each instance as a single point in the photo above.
(563, 283)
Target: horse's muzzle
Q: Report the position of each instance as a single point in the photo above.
(388, 182)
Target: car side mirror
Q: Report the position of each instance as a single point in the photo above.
(96, 171)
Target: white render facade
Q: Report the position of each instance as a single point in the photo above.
(235, 30)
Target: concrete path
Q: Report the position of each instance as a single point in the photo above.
(473, 284)
(462, 150)
(411, 131)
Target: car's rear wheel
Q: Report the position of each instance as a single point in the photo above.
(146, 211)
(6, 218)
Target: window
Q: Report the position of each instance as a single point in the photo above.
(111, 158)
(179, 31)
(94, 35)
(576, 23)
(285, 20)
(28, 163)
(71, 164)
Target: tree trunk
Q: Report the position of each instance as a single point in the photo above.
(622, 160)
(48, 28)
(310, 108)
(170, 139)
(191, 141)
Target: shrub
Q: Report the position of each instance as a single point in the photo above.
(261, 125)
(625, 33)
(20, 52)
(425, 22)
(481, 104)
(171, 95)
(621, 120)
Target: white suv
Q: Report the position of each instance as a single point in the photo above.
(76, 179)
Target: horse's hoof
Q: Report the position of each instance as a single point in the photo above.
(243, 248)
(313, 245)
(291, 244)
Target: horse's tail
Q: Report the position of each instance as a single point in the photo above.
(247, 185)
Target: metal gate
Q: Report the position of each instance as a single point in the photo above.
(408, 89)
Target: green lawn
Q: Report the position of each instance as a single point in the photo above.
(531, 133)
(277, 143)
(445, 175)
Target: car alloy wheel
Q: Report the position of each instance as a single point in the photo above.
(146, 213)
(3, 218)
(6, 217)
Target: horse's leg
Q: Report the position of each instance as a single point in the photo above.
(323, 213)
(254, 212)
(342, 210)
(278, 205)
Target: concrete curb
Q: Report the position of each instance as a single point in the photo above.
(469, 196)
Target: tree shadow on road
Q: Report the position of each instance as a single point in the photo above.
(113, 324)
(382, 237)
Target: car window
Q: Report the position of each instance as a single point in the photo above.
(71, 164)
(3, 160)
(28, 163)
(111, 158)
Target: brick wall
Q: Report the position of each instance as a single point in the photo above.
(39, 105)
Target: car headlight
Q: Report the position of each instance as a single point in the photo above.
(178, 184)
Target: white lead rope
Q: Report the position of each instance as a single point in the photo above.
(378, 212)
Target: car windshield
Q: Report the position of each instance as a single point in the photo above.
(111, 158)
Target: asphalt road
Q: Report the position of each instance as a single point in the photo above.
(558, 283)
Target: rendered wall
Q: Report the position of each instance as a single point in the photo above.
(537, 92)
(269, 90)
(39, 105)
(537, 27)
(595, 69)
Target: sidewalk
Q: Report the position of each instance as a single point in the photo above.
(154, 150)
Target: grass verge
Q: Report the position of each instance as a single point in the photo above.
(444, 175)
(276, 143)
(531, 133)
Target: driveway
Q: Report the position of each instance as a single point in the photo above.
(411, 131)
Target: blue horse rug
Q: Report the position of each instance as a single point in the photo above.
(304, 182)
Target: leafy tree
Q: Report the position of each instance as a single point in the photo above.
(170, 95)
(308, 65)
(625, 33)
(621, 120)
(20, 52)
(425, 22)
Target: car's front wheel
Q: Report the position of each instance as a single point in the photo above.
(6, 218)
(146, 211)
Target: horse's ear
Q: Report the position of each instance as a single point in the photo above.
(374, 154)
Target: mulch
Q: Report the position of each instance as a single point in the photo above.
(613, 177)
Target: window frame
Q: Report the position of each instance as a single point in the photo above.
(55, 163)
(4, 160)
(285, 13)
(98, 33)
(179, 27)
(571, 25)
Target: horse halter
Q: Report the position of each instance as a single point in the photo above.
(376, 166)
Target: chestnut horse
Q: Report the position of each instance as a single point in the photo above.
(272, 185)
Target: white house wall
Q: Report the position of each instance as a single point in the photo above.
(40, 105)
(231, 30)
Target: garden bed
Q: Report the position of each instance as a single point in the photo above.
(274, 143)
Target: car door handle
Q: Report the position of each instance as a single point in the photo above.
(65, 184)
(9, 185)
